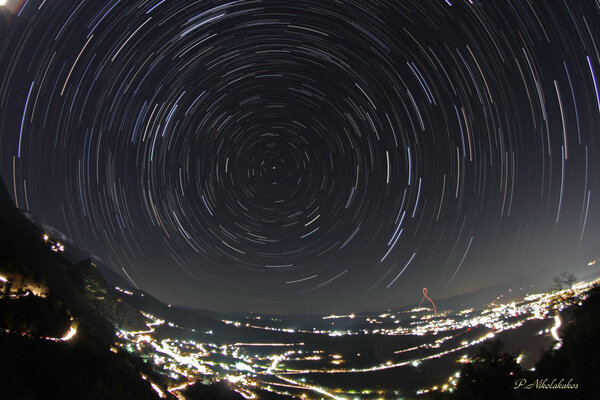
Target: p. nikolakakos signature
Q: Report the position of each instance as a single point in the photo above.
(546, 383)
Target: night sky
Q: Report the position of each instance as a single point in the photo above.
(307, 156)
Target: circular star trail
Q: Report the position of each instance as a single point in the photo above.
(298, 156)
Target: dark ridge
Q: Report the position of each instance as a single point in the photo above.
(77, 294)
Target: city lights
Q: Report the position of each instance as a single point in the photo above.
(249, 366)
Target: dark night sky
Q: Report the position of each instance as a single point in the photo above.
(306, 156)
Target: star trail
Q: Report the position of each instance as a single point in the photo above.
(299, 156)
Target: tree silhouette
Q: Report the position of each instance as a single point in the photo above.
(491, 375)
(564, 281)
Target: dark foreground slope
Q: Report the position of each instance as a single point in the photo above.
(79, 369)
(58, 321)
(568, 371)
(43, 298)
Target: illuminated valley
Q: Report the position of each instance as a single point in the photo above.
(295, 364)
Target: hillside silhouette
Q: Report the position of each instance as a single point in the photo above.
(58, 320)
